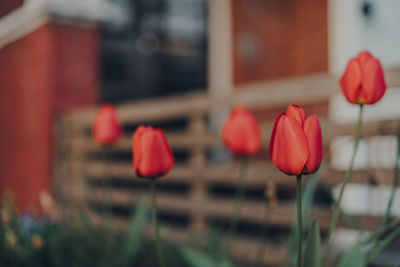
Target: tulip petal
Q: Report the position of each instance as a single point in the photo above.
(149, 163)
(290, 150)
(241, 132)
(106, 127)
(363, 57)
(373, 81)
(137, 151)
(273, 133)
(312, 130)
(164, 152)
(152, 155)
(351, 81)
(297, 113)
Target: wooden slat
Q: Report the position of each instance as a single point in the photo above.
(331, 130)
(150, 110)
(258, 174)
(208, 139)
(253, 211)
(392, 77)
(197, 162)
(244, 248)
(96, 169)
(198, 174)
(300, 90)
(176, 141)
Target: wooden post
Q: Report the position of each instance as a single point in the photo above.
(197, 163)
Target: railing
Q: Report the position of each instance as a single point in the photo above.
(199, 190)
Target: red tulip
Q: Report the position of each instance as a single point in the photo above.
(241, 132)
(363, 82)
(152, 156)
(296, 142)
(106, 127)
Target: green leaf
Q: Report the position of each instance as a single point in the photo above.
(198, 259)
(137, 224)
(213, 242)
(312, 253)
(307, 203)
(354, 257)
(308, 195)
(378, 247)
(351, 220)
(396, 174)
(87, 224)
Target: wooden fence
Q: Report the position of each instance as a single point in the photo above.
(199, 190)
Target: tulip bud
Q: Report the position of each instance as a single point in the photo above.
(241, 132)
(296, 142)
(152, 156)
(363, 82)
(106, 127)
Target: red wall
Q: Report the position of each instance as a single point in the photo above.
(274, 39)
(76, 66)
(25, 116)
(49, 70)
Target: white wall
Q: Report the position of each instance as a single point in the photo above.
(350, 31)
(373, 152)
(388, 108)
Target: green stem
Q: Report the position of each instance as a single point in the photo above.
(346, 179)
(377, 235)
(388, 212)
(239, 198)
(107, 184)
(155, 223)
(299, 222)
(107, 191)
(381, 245)
(261, 243)
(384, 226)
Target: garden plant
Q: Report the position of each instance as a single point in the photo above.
(295, 147)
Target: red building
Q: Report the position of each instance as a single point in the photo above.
(46, 66)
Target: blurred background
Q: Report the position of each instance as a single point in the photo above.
(182, 65)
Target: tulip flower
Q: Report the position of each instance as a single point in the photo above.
(107, 130)
(152, 156)
(106, 127)
(296, 149)
(363, 81)
(241, 132)
(296, 142)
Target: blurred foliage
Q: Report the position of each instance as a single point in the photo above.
(354, 257)
(307, 204)
(26, 240)
(38, 241)
(313, 244)
(365, 250)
